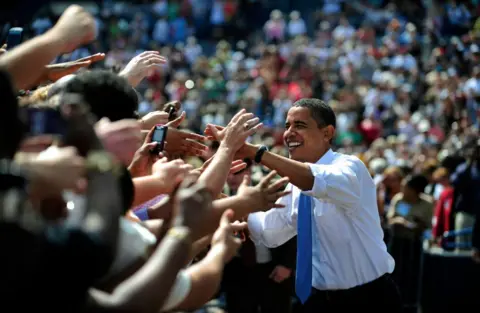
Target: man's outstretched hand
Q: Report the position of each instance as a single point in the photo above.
(54, 72)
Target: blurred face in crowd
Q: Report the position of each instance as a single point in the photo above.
(392, 180)
(305, 140)
(409, 194)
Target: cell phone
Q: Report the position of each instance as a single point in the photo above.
(159, 136)
(172, 108)
(42, 121)
(172, 113)
(15, 37)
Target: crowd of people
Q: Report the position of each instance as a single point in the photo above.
(228, 85)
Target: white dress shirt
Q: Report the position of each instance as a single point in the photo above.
(348, 247)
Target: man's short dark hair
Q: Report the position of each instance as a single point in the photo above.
(321, 112)
(108, 94)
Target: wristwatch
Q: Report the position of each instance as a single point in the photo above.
(259, 154)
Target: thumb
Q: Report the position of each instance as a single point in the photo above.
(176, 122)
(149, 136)
(213, 130)
(246, 181)
(149, 146)
(227, 218)
(102, 123)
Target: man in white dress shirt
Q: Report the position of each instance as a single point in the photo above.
(342, 262)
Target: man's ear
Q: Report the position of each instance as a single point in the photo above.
(329, 133)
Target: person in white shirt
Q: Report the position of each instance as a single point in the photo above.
(342, 261)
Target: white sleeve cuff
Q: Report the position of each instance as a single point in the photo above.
(179, 291)
(319, 188)
(255, 226)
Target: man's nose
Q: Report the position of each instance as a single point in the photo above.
(288, 132)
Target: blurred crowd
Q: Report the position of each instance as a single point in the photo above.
(403, 78)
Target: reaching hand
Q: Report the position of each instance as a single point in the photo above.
(192, 207)
(54, 72)
(280, 274)
(75, 28)
(139, 67)
(36, 144)
(153, 118)
(264, 195)
(121, 138)
(223, 238)
(171, 173)
(144, 159)
(237, 131)
(56, 169)
(181, 142)
(237, 166)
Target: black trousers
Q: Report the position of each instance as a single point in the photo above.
(380, 295)
(250, 290)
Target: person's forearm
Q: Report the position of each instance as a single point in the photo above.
(26, 63)
(215, 175)
(205, 277)
(299, 173)
(146, 188)
(200, 245)
(148, 288)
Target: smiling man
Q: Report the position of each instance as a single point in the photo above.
(342, 262)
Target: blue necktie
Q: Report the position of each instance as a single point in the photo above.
(303, 279)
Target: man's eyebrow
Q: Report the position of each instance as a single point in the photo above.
(299, 123)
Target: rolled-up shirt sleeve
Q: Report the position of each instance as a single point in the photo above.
(272, 228)
(338, 182)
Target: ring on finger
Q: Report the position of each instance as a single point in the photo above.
(246, 126)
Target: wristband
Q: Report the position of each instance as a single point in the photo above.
(259, 154)
(180, 233)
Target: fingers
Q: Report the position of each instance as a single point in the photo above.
(226, 219)
(246, 181)
(237, 168)
(237, 116)
(272, 198)
(92, 58)
(278, 184)
(254, 129)
(266, 180)
(238, 226)
(273, 273)
(149, 136)
(146, 148)
(244, 118)
(193, 136)
(36, 144)
(79, 65)
(212, 132)
(176, 122)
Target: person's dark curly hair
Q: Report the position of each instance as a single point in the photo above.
(108, 94)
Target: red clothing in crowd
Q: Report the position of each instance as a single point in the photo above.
(442, 214)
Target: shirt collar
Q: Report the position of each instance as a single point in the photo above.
(327, 158)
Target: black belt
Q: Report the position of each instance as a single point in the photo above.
(357, 289)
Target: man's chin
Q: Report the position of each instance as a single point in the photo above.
(294, 155)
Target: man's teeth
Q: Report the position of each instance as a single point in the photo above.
(294, 144)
